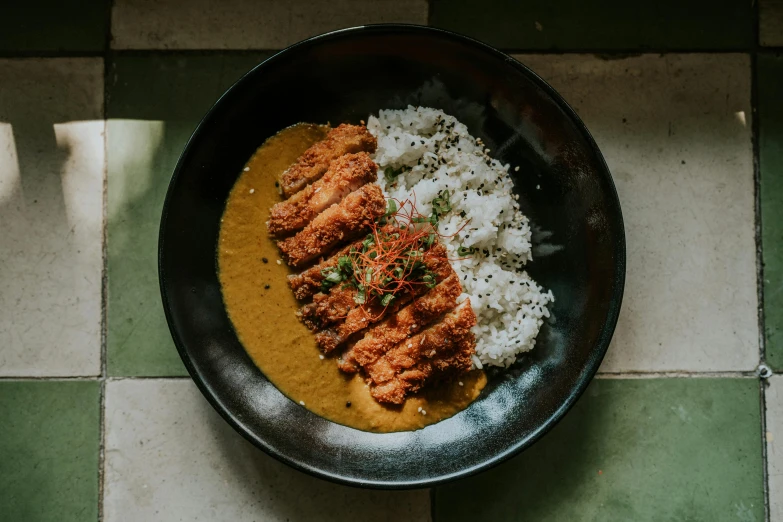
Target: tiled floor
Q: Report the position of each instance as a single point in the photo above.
(684, 98)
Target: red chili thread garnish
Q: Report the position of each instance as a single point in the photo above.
(391, 261)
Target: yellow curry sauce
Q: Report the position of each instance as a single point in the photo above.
(262, 308)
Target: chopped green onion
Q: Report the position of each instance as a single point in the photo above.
(360, 296)
(386, 299)
(345, 264)
(390, 173)
(465, 251)
(334, 277)
(442, 203)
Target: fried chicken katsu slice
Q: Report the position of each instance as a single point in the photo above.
(443, 349)
(396, 328)
(308, 282)
(328, 308)
(313, 163)
(346, 220)
(345, 174)
(337, 304)
(359, 317)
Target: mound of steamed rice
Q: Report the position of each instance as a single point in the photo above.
(437, 153)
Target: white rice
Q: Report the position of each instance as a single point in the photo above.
(439, 154)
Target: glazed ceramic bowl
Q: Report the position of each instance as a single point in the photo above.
(565, 189)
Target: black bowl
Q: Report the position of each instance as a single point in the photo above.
(564, 187)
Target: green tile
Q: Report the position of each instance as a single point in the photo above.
(639, 449)
(607, 24)
(154, 103)
(53, 25)
(49, 444)
(770, 114)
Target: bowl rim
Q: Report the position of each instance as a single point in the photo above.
(601, 346)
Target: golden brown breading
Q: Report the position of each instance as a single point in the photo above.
(307, 283)
(357, 318)
(398, 327)
(346, 174)
(428, 371)
(443, 348)
(352, 216)
(328, 308)
(311, 165)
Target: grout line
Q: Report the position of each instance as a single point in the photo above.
(104, 264)
(764, 453)
(100, 378)
(632, 51)
(50, 54)
(608, 53)
(600, 375)
(677, 375)
(754, 129)
(50, 378)
(147, 378)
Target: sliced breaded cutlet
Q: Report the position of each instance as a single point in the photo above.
(359, 317)
(308, 282)
(344, 221)
(345, 174)
(314, 162)
(383, 336)
(443, 349)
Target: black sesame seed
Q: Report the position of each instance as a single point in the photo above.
(265, 260)
(413, 143)
(277, 184)
(489, 276)
(266, 287)
(348, 404)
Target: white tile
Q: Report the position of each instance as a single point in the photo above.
(51, 194)
(675, 131)
(774, 438)
(771, 22)
(169, 456)
(247, 24)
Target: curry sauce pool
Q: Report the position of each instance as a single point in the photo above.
(262, 309)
